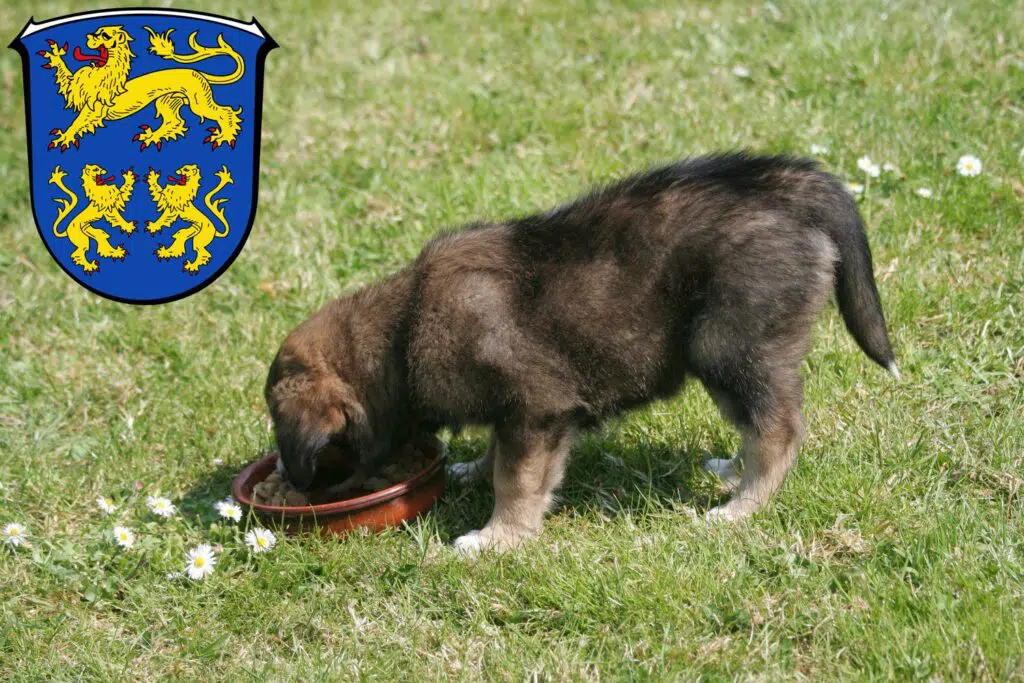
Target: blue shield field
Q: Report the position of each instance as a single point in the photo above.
(143, 145)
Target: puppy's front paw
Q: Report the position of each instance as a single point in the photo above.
(733, 511)
(469, 545)
(497, 539)
(719, 514)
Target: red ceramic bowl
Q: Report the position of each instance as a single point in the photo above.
(379, 510)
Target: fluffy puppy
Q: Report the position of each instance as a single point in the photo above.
(713, 268)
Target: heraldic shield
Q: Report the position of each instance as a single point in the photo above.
(143, 145)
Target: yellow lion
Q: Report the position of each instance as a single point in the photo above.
(106, 202)
(177, 200)
(102, 92)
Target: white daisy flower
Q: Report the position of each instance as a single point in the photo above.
(106, 505)
(890, 167)
(924, 192)
(968, 165)
(162, 507)
(819, 149)
(201, 562)
(740, 71)
(13, 534)
(855, 188)
(260, 540)
(174, 576)
(872, 169)
(124, 537)
(217, 462)
(229, 509)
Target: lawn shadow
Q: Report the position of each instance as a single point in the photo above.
(607, 475)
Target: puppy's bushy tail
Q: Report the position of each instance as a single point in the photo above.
(858, 297)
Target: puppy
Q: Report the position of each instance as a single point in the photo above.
(713, 268)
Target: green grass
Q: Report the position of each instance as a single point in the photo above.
(894, 550)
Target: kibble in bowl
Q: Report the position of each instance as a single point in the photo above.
(278, 492)
(400, 491)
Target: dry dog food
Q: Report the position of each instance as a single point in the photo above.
(277, 492)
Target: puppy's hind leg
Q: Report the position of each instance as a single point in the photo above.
(481, 469)
(767, 458)
(768, 418)
(748, 350)
(528, 467)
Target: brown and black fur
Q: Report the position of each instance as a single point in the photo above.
(713, 268)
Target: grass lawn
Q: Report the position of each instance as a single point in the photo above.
(894, 550)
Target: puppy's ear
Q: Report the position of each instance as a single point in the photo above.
(318, 406)
(309, 413)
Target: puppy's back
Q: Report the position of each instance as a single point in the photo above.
(663, 241)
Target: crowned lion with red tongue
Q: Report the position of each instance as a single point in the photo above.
(101, 91)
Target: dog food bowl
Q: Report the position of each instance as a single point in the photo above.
(384, 509)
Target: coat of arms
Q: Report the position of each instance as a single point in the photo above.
(143, 136)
